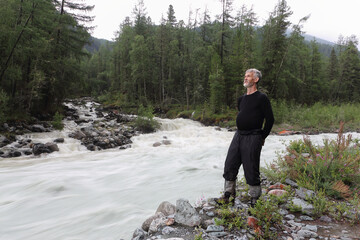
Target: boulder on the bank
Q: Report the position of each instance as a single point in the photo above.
(77, 135)
(38, 128)
(166, 208)
(304, 193)
(186, 214)
(146, 225)
(139, 234)
(306, 207)
(4, 141)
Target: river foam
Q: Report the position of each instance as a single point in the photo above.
(78, 194)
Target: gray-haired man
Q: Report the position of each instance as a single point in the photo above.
(254, 107)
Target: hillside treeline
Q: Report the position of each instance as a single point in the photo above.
(203, 60)
(198, 62)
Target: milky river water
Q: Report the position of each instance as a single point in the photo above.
(78, 194)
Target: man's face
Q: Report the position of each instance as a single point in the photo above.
(249, 80)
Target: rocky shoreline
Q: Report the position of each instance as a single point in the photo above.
(183, 221)
(97, 128)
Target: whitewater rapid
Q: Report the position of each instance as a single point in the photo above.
(78, 194)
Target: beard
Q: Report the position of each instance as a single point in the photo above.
(247, 85)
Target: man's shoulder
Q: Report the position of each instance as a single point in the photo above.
(262, 95)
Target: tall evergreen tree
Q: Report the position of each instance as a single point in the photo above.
(274, 46)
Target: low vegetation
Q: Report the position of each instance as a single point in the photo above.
(331, 170)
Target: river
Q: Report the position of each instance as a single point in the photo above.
(78, 194)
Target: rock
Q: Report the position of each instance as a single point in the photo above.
(252, 222)
(170, 221)
(306, 218)
(166, 142)
(186, 214)
(39, 148)
(277, 192)
(325, 218)
(291, 183)
(81, 120)
(276, 186)
(125, 147)
(157, 144)
(210, 214)
(310, 228)
(52, 146)
(214, 228)
(14, 154)
(37, 128)
(146, 225)
(304, 193)
(290, 217)
(59, 140)
(168, 230)
(306, 207)
(139, 234)
(208, 223)
(77, 135)
(156, 224)
(91, 147)
(283, 211)
(295, 224)
(306, 234)
(166, 208)
(28, 152)
(218, 234)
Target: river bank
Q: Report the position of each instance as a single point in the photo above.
(283, 212)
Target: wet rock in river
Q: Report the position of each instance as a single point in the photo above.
(38, 128)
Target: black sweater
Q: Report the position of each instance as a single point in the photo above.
(253, 110)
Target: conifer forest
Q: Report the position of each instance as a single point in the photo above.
(45, 57)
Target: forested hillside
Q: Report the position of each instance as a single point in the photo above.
(194, 63)
(203, 61)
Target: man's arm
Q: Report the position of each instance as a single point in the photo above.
(269, 117)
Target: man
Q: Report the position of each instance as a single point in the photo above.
(254, 107)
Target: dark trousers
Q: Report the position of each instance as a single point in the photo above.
(244, 149)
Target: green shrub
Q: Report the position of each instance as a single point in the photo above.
(333, 167)
(3, 106)
(57, 121)
(232, 218)
(267, 211)
(145, 121)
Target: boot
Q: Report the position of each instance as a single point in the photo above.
(255, 193)
(229, 193)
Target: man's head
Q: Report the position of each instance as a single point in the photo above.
(252, 77)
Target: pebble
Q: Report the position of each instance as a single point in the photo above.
(311, 228)
(290, 217)
(306, 218)
(215, 228)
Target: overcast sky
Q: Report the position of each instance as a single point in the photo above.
(329, 18)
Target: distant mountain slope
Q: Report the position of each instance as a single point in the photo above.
(96, 43)
(325, 46)
(318, 40)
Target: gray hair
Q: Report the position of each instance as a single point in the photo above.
(256, 72)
